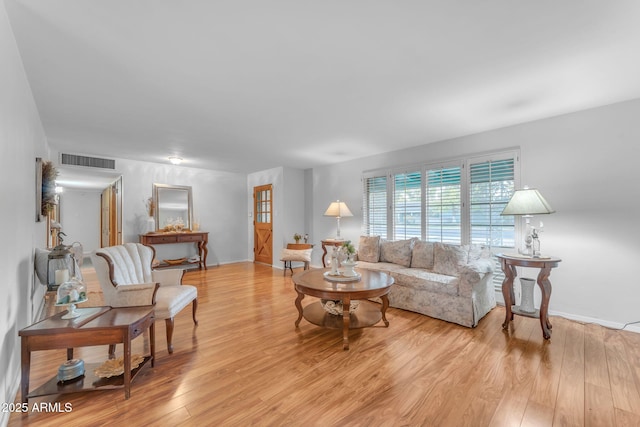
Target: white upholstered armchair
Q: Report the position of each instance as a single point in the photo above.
(126, 279)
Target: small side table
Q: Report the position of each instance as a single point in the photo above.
(509, 264)
(329, 242)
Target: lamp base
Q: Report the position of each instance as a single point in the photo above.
(526, 298)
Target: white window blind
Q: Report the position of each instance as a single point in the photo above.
(407, 205)
(491, 187)
(444, 205)
(460, 202)
(375, 206)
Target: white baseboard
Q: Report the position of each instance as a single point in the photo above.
(585, 319)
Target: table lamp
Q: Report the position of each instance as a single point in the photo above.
(338, 209)
(526, 203)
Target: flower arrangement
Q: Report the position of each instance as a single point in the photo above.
(297, 237)
(348, 249)
(151, 206)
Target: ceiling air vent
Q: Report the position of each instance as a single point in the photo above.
(91, 162)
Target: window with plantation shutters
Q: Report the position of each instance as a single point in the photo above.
(407, 205)
(375, 206)
(491, 187)
(444, 205)
(457, 202)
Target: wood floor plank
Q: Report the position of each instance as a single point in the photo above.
(570, 400)
(247, 364)
(622, 375)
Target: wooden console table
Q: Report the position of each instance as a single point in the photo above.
(509, 264)
(199, 238)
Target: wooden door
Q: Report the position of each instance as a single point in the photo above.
(109, 235)
(105, 201)
(263, 223)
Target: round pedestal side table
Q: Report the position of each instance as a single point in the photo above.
(545, 264)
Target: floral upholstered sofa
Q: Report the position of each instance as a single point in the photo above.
(448, 282)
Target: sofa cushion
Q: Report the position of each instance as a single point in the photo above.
(423, 280)
(422, 256)
(449, 258)
(369, 248)
(397, 252)
(302, 255)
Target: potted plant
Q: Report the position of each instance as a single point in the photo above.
(297, 238)
(349, 250)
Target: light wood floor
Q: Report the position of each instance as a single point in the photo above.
(246, 364)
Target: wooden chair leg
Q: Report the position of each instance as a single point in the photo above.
(112, 351)
(193, 311)
(169, 323)
(284, 270)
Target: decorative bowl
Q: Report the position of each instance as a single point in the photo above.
(175, 261)
(335, 307)
(71, 369)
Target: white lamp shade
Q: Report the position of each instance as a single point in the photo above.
(527, 201)
(338, 209)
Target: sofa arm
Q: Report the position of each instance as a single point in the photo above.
(171, 276)
(472, 273)
(133, 295)
(483, 265)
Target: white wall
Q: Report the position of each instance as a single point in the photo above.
(22, 139)
(585, 164)
(219, 199)
(294, 205)
(80, 217)
(289, 203)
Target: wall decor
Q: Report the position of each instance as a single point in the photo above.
(46, 199)
(38, 189)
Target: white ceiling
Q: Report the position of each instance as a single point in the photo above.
(246, 85)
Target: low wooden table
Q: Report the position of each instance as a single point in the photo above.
(200, 238)
(509, 264)
(370, 285)
(98, 326)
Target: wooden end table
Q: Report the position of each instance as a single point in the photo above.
(370, 285)
(545, 264)
(329, 242)
(98, 326)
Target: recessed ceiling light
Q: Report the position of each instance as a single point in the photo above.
(175, 160)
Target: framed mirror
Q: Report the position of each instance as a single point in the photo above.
(174, 206)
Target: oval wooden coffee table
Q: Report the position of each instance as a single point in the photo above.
(371, 284)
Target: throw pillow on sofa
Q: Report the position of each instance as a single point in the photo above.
(449, 258)
(396, 252)
(369, 248)
(422, 256)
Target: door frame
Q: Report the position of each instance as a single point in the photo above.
(259, 215)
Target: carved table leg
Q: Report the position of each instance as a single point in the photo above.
(127, 365)
(507, 291)
(385, 305)
(202, 247)
(545, 288)
(346, 305)
(324, 254)
(299, 307)
(26, 366)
